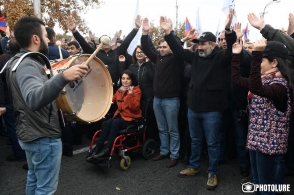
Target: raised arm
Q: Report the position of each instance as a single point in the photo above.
(121, 50)
(230, 36)
(71, 25)
(175, 46)
(270, 33)
(275, 91)
(235, 73)
(145, 43)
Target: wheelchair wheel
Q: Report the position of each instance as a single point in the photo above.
(148, 149)
(125, 163)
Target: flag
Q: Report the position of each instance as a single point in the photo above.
(2, 24)
(226, 9)
(137, 39)
(198, 23)
(246, 33)
(188, 27)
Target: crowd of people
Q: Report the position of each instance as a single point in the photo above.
(221, 98)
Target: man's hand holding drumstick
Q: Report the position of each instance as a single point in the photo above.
(75, 72)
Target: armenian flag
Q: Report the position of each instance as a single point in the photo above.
(246, 33)
(2, 24)
(188, 27)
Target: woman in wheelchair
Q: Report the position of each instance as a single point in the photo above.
(127, 98)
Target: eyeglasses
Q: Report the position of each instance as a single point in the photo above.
(221, 39)
(139, 52)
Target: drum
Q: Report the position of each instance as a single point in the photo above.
(87, 99)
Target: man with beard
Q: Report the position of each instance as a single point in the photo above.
(37, 121)
(207, 96)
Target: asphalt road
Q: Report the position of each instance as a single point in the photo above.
(143, 177)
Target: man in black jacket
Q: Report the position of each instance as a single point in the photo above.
(207, 96)
(167, 85)
(234, 125)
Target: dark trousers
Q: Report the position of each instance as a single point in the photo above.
(290, 151)
(267, 169)
(111, 129)
(11, 131)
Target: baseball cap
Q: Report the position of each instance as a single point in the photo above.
(275, 49)
(206, 36)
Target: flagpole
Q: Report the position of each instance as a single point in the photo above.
(176, 14)
(37, 7)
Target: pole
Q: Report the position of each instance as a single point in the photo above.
(37, 7)
(176, 15)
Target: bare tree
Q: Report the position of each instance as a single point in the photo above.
(53, 11)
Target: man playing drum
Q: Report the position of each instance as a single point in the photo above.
(38, 127)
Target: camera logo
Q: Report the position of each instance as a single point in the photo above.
(248, 187)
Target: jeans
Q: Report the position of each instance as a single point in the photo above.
(111, 129)
(11, 131)
(205, 124)
(44, 159)
(166, 112)
(266, 169)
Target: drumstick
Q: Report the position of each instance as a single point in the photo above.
(104, 40)
(58, 43)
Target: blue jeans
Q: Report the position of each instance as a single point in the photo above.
(166, 112)
(44, 159)
(11, 130)
(267, 169)
(205, 124)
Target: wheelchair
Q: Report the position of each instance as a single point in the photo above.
(133, 138)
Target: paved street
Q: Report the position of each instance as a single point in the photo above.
(143, 177)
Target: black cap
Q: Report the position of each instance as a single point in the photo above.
(275, 49)
(206, 36)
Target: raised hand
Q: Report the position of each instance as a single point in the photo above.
(256, 22)
(138, 21)
(75, 72)
(7, 31)
(237, 29)
(131, 88)
(229, 18)
(259, 45)
(146, 26)
(238, 46)
(2, 110)
(118, 34)
(165, 24)
(91, 35)
(71, 25)
(290, 30)
(121, 58)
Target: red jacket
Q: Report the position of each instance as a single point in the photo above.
(128, 104)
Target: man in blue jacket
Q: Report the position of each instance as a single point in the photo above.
(53, 53)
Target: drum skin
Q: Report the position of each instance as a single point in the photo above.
(87, 99)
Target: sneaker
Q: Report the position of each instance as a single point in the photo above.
(211, 182)
(188, 172)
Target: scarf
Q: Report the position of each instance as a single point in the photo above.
(124, 89)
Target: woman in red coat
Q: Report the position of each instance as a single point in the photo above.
(127, 98)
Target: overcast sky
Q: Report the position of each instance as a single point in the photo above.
(119, 14)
